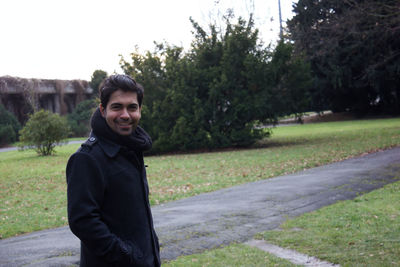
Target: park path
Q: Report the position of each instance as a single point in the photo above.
(13, 148)
(234, 214)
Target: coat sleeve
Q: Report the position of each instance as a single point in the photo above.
(86, 187)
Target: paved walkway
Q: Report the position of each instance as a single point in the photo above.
(13, 148)
(235, 214)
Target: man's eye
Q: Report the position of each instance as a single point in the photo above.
(132, 107)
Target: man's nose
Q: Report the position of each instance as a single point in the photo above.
(124, 114)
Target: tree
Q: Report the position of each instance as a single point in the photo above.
(215, 94)
(354, 51)
(79, 118)
(202, 99)
(97, 77)
(149, 71)
(291, 75)
(43, 131)
(9, 127)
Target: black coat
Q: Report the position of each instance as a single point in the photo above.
(108, 207)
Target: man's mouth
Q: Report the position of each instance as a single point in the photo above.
(124, 125)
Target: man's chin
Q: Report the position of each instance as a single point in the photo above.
(125, 131)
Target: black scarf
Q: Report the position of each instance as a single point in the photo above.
(131, 145)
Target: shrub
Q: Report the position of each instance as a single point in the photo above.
(79, 119)
(7, 135)
(43, 131)
(9, 127)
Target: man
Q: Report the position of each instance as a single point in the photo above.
(108, 205)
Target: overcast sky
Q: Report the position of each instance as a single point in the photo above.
(69, 39)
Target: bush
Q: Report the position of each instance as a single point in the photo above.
(79, 119)
(9, 127)
(7, 135)
(43, 131)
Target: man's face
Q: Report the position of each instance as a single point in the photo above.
(122, 113)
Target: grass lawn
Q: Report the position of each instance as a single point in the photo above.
(290, 149)
(233, 255)
(33, 188)
(360, 232)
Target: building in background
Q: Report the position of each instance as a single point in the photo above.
(23, 96)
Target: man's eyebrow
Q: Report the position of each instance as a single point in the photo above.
(115, 105)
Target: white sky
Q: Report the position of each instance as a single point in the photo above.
(69, 39)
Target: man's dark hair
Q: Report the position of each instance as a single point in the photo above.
(119, 82)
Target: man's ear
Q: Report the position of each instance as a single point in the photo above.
(102, 110)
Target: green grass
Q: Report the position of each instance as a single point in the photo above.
(33, 191)
(290, 149)
(360, 232)
(233, 255)
(33, 188)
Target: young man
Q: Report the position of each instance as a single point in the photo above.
(108, 205)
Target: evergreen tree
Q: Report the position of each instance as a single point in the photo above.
(9, 127)
(97, 77)
(216, 94)
(354, 51)
(79, 118)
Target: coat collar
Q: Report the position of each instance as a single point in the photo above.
(110, 149)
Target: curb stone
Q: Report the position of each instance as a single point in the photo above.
(289, 254)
